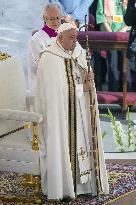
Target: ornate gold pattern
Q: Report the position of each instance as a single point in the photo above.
(4, 56)
(35, 146)
(72, 120)
(19, 199)
(29, 180)
(85, 172)
(82, 153)
(74, 60)
(114, 176)
(119, 197)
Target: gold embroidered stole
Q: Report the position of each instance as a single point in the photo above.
(72, 130)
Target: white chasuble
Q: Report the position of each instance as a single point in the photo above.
(66, 166)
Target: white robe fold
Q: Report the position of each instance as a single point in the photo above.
(52, 102)
(37, 44)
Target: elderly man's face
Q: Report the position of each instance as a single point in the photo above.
(53, 18)
(68, 39)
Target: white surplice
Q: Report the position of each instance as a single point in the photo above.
(37, 44)
(52, 100)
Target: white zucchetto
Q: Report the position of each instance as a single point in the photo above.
(65, 26)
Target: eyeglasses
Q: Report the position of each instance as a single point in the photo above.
(54, 19)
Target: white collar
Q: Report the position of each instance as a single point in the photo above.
(58, 50)
(66, 51)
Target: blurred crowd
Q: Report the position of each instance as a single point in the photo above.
(108, 16)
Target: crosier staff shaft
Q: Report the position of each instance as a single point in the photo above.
(94, 150)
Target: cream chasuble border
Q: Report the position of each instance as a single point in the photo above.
(72, 121)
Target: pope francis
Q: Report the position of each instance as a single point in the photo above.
(63, 87)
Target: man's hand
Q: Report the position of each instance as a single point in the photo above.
(107, 27)
(89, 82)
(124, 29)
(68, 19)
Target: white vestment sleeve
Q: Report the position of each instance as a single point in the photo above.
(33, 54)
(37, 44)
(33, 59)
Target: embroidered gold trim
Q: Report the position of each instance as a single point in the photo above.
(85, 172)
(72, 120)
(75, 60)
(119, 197)
(53, 54)
(82, 153)
(4, 56)
(66, 51)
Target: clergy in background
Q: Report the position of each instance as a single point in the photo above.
(70, 164)
(41, 39)
(77, 9)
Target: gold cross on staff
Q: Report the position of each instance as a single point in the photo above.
(82, 153)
